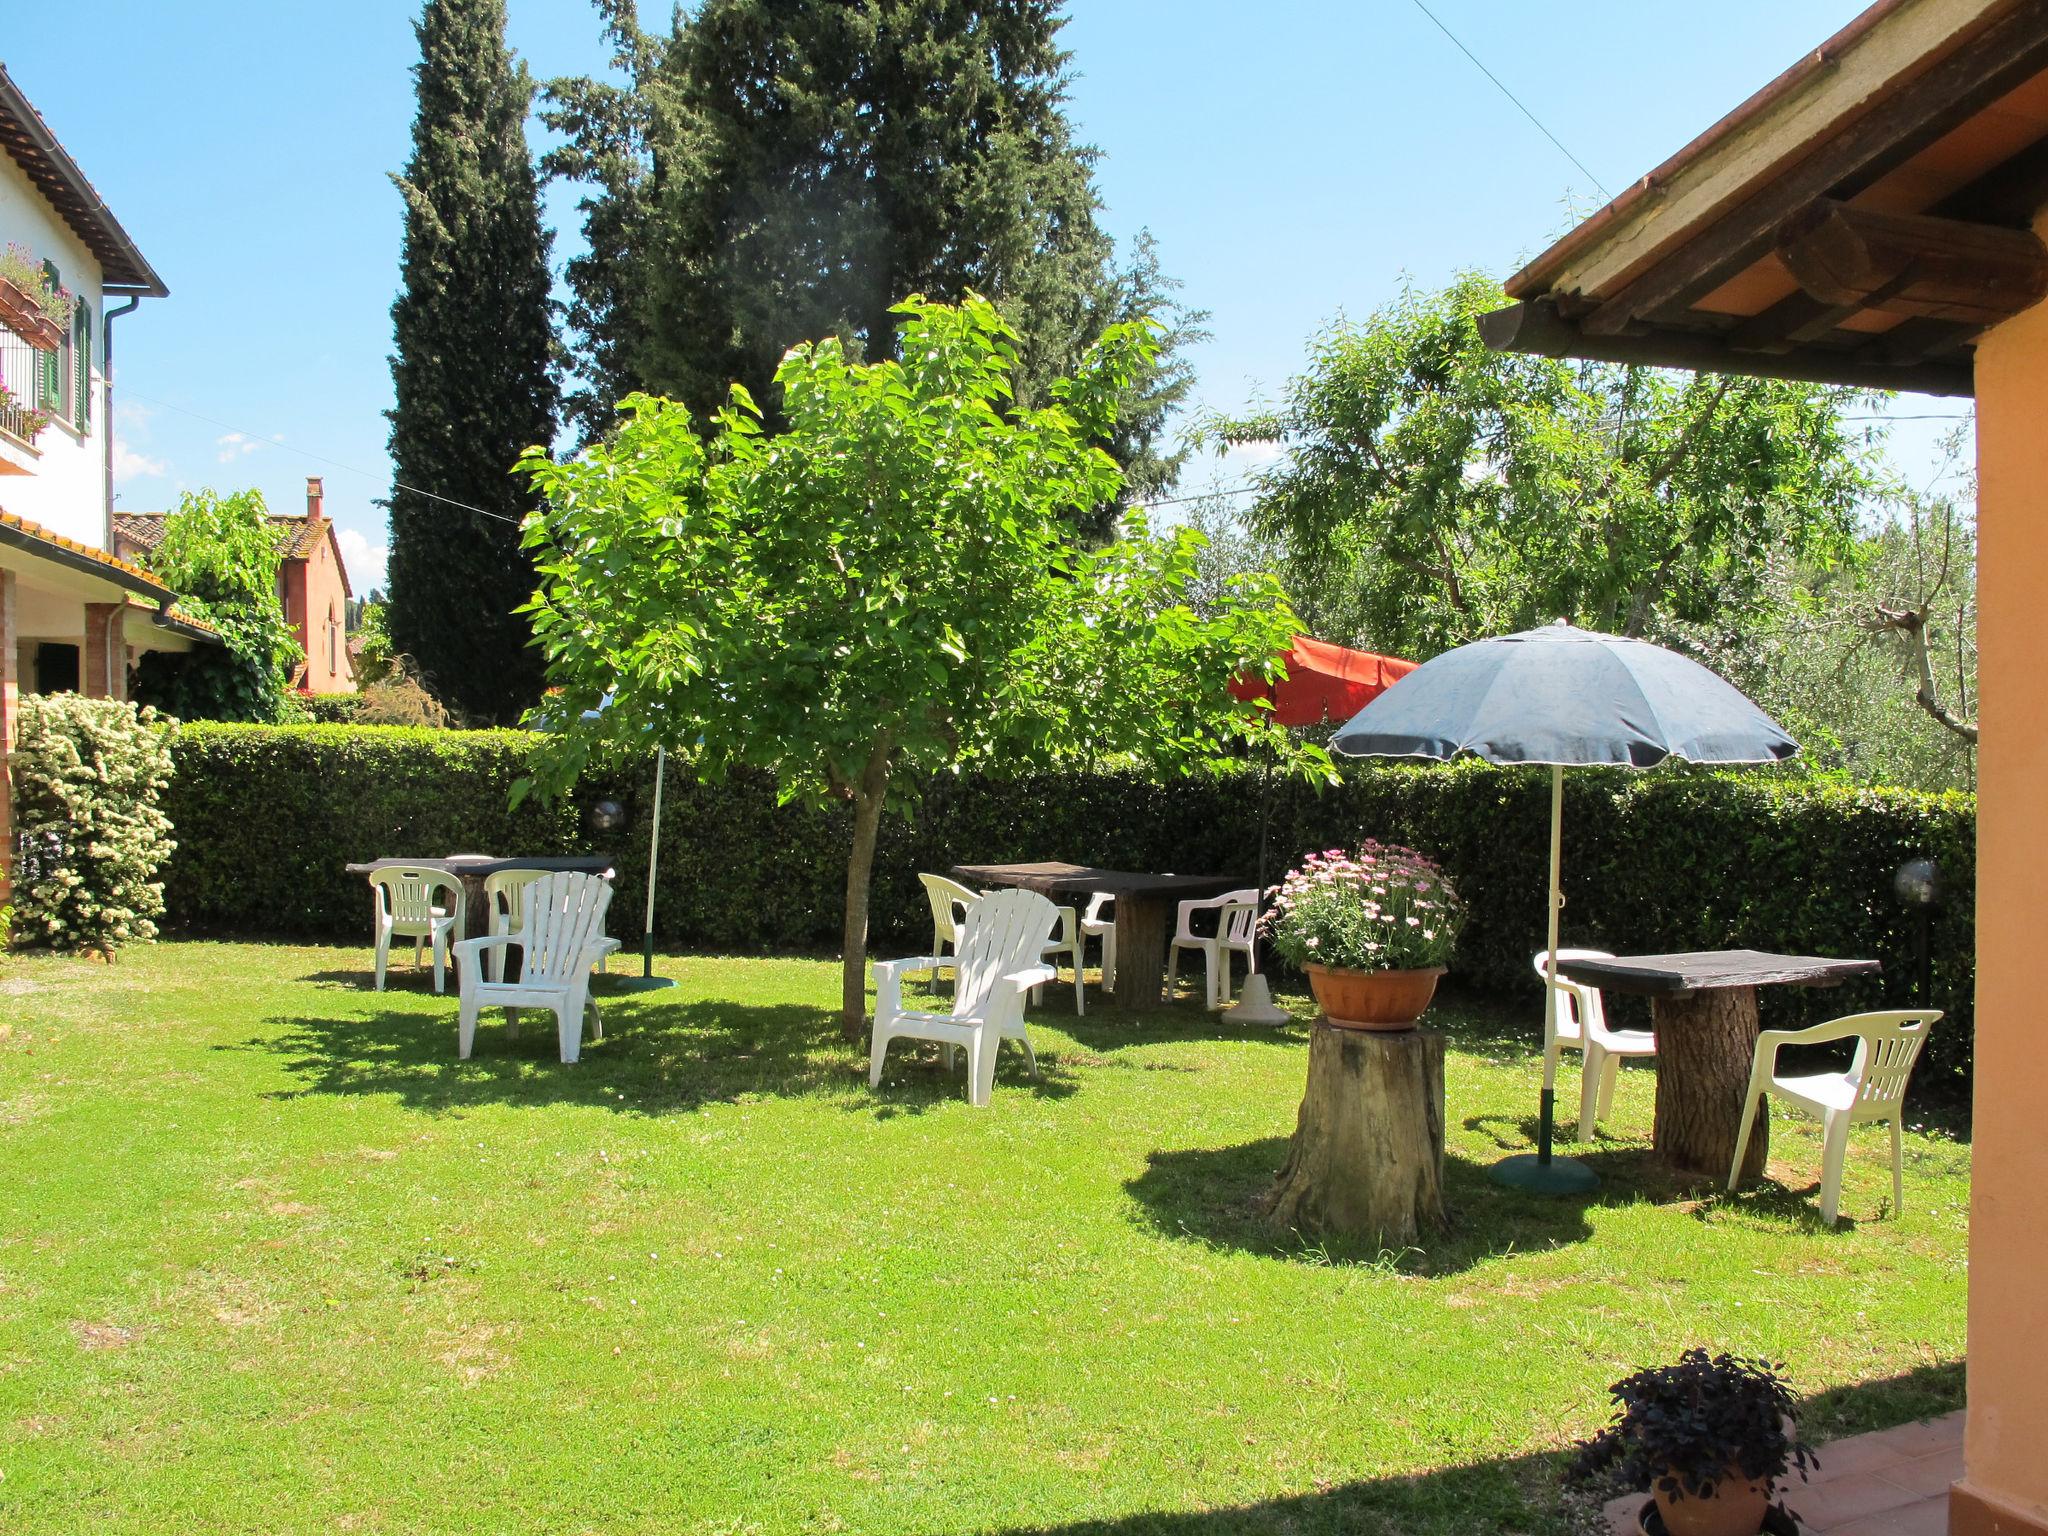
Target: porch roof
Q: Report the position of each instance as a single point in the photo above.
(1860, 220)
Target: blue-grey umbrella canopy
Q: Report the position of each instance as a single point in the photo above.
(1564, 696)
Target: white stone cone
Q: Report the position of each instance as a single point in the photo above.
(1255, 1004)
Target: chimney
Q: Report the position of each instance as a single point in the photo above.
(314, 497)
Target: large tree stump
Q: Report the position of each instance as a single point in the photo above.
(1706, 1041)
(1368, 1153)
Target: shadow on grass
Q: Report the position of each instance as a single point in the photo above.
(1516, 1493)
(658, 1056)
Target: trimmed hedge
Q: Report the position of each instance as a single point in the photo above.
(1669, 860)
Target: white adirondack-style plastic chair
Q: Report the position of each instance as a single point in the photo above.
(1096, 926)
(561, 929)
(1874, 1088)
(1237, 916)
(424, 905)
(1066, 940)
(1582, 1026)
(504, 899)
(950, 901)
(999, 960)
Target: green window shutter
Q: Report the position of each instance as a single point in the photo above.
(52, 363)
(81, 352)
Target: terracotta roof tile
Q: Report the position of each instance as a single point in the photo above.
(57, 541)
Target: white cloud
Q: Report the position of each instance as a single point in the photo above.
(366, 561)
(130, 465)
(234, 445)
(1242, 460)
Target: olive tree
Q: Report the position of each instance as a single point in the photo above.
(888, 588)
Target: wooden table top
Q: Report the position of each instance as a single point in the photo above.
(479, 865)
(1075, 880)
(1711, 970)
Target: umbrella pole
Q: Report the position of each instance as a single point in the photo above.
(1543, 1174)
(1255, 1005)
(647, 981)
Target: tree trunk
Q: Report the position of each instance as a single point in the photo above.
(1705, 1044)
(869, 796)
(1368, 1153)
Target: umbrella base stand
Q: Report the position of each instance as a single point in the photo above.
(1255, 1005)
(1538, 1173)
(609, 985)
(1529, 1173)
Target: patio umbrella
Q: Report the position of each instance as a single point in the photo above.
(1564, 698)
(1324, 682)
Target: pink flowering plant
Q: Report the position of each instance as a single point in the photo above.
(1383, 908)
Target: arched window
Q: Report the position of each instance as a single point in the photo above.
(81, 365)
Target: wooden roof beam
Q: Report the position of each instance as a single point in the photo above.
(1914, 264)
(1534, 326)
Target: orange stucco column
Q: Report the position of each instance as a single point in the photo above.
(2005, 1485)
(10, 706)
(105, 673)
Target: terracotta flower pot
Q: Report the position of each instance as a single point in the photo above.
(1735, 1508)
(26, 319)
(1382, 1000)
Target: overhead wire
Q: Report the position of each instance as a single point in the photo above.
(1520, 106)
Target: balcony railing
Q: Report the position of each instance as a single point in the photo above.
(21, 376)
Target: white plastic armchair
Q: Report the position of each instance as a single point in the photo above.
(1094, 925)
(1582, 1026)
(950, 901)
(1067, 941)
(1237, 916)
(998, 961)
(505, 901)
(424, 905)
(1874, 1088)
(561, 930)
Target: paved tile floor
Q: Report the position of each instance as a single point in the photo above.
(1892, 1482)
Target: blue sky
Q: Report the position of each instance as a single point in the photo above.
(1296, 159)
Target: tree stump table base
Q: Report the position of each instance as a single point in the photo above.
(1368, 1154)
(1705, 1043)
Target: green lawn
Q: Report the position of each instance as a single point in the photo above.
(273, 1260)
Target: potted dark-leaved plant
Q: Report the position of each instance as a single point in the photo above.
(1711, 1435)
(1373, 929)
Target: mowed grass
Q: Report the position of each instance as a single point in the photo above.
(271, 1259)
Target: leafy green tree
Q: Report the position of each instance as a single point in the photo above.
(778, 170)
(1434, 491)
(886, 589)
(221, 555)
(473, 366)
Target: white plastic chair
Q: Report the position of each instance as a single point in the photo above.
(404, 901)
(1237, 917)
(504, 899)
(1582, 1025)
(950, 901)
(561, 929)
(1095, 926)
(1874, 1088)
(998, 960)
(1066, 940)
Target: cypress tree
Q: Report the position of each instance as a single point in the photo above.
(472, 368)
(775, 171)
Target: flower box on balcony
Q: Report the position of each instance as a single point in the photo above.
(24, 316)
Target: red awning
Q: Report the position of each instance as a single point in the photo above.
(1324, 682)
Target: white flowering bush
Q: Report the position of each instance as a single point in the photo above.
(1383, 908)
(88, 776)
